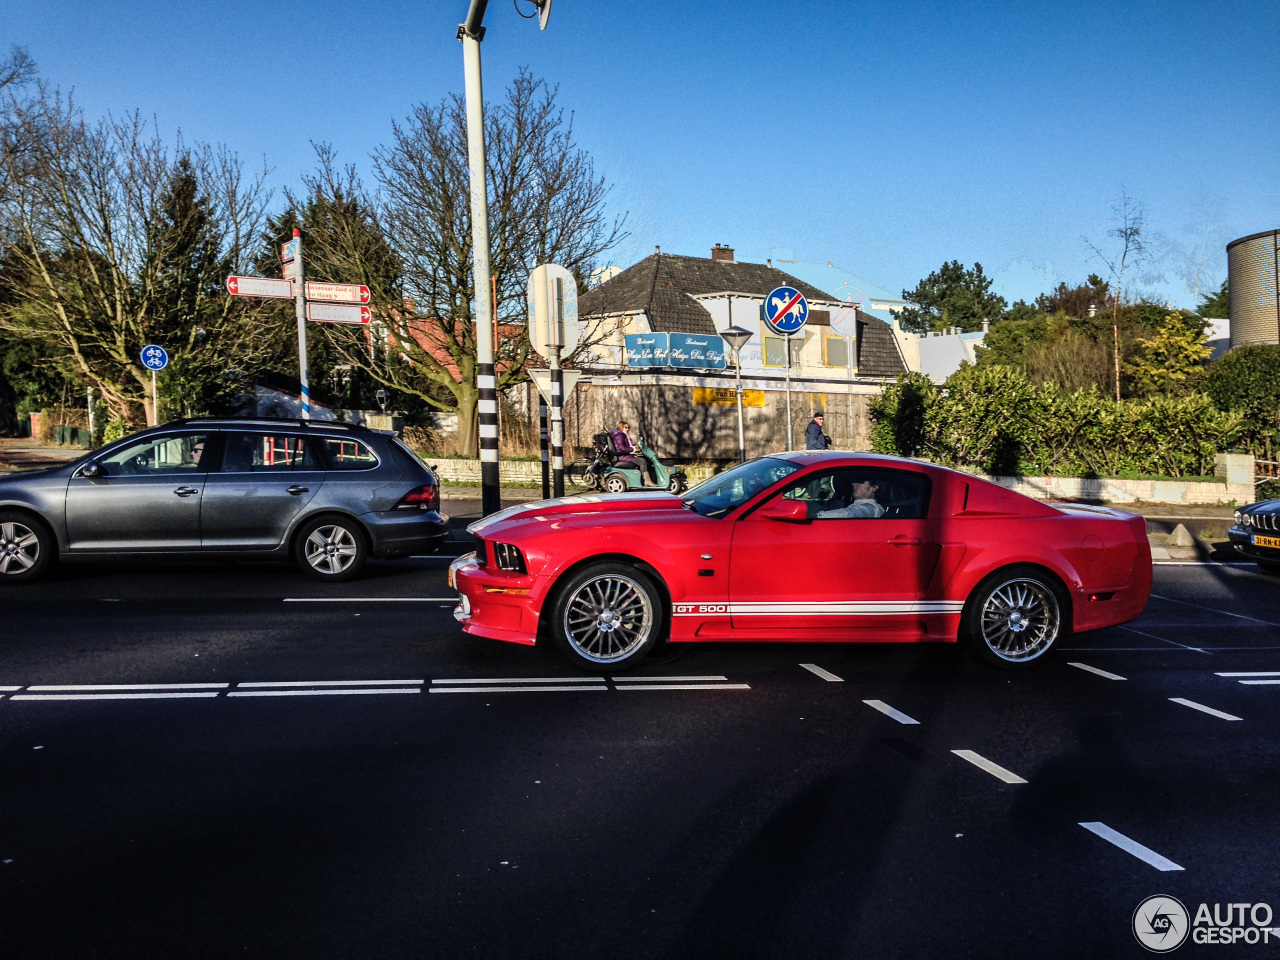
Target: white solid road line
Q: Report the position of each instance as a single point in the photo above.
(1152, 636)
(888, 711)
(1203, 709)
(1101, 673)
(10, 689)
(825, 675)
(330, 683)
(468, 680)
(1225, 613)
(114, 696)
(1145, 854)
(452, 599)
(982, 763)
(1260, 683)
(666, 679)
(1219, 673)
(328, 692)
(85, 687)
(683, 686)
(512, 689)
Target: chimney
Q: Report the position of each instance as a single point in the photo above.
(721, 252)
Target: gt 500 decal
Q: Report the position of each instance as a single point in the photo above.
(684, 609)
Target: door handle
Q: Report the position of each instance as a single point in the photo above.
(297, 489)
(905, 541)
(186, 491)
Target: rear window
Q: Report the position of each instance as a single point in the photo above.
(344, 453)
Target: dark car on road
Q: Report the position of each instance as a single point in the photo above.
(328, 495)
(1256, 534)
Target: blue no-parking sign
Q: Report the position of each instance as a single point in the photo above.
(154, 358)
(784, 310)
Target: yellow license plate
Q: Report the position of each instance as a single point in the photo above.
(1266, 541)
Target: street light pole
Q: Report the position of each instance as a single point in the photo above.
(737, 337)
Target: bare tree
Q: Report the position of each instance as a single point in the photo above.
(118, 241)
(17, 76)
(1129, 217)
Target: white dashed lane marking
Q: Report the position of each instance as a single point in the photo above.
(1203, 709)
(1145, 854)
(888, 711)
(1095, 670)
(191, 695)
(325, 692)
(819, 672)
(1240, 676)
(515, 689)
(330, 683)
(982, 763)
(120, 687)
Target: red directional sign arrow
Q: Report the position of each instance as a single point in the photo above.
(259, 287)
(337, 292)
(338, 313)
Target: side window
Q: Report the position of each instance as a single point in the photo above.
(344, 453)
(855, 493)
(266, 453)
(154, 455)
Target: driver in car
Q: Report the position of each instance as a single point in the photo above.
(864, 503)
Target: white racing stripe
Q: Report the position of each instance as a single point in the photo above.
(1203, 709)
(1095, 670)
(868, 608)
(115, 696)
(819, 672)
(513, 689)
(108, 687)
(684, 686)
(982, 763)
(888, 711)
(329, 692)
(329, 683)
(1146, 854)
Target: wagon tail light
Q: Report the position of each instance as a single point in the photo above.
(420, 498)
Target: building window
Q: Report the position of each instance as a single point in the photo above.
(775, 354)
(835, 351)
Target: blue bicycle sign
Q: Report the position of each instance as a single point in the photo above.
(154, 358)
(785, 310)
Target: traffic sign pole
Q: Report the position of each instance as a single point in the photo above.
(155, 399)
(557, 426)
(786, 343)
(300, 308)
(543, 444)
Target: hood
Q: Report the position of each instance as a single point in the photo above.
(614, 505)
(1269, 507)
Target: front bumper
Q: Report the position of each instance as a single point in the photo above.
(494, 603)
(1244, 543)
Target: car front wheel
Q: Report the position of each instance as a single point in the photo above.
(332, 549)
(1014, 617)
(608, 616)
(27, 547)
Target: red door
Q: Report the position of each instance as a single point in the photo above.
(857, 567)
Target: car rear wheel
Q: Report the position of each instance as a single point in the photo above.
(616, 483)
(608, 616)
(1014, 617)
(27, 547)
(332, 549)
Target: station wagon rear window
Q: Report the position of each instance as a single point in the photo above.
(344, 453)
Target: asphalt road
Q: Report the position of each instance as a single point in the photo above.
(210, 760)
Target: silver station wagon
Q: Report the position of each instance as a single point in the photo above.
(327, 495)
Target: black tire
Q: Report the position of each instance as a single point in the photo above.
(580, 474)
(616, 483)
(1268, 566)
(27, 547)
(676, 484)
(608, 616)
(1015, 616)
(331, 548)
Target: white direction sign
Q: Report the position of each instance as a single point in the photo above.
(289, 250)
(338, 313)
(259, 287)
(542, 378)
(337, 292)
(553, 310)
(289, 270)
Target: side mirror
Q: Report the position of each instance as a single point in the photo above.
(789, 511)
(91, 469)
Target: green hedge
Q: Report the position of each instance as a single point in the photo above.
(995, 420)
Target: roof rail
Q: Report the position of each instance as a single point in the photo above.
(269, 421)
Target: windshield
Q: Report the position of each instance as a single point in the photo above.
(731, 489)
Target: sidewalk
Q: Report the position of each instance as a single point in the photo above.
(23, 453)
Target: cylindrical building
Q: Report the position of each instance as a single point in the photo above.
(1254, 281)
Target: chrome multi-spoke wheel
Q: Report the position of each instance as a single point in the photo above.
(331, 550)
(608, 616)
(19, 548)
(26, 547)
(1015, 618)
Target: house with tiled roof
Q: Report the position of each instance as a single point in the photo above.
(837, 362)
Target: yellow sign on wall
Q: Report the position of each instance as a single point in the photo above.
(725, 397)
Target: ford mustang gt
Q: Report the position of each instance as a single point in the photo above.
(812, 546)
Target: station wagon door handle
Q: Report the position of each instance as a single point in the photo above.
(298, 489)
(186, 491)
(901, 541)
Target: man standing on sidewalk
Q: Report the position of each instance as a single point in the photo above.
(814, 438)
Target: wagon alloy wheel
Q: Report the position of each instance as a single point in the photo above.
(608, 616)
(26, 547)
(330, 549)
(1015, 619)
(19, 548)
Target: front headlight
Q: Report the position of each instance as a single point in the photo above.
(1239, 518)
(508, 557)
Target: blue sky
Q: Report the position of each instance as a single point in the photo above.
(884, 138)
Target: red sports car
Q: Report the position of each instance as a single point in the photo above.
(810, 546)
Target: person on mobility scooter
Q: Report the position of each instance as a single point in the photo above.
(620, 464)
